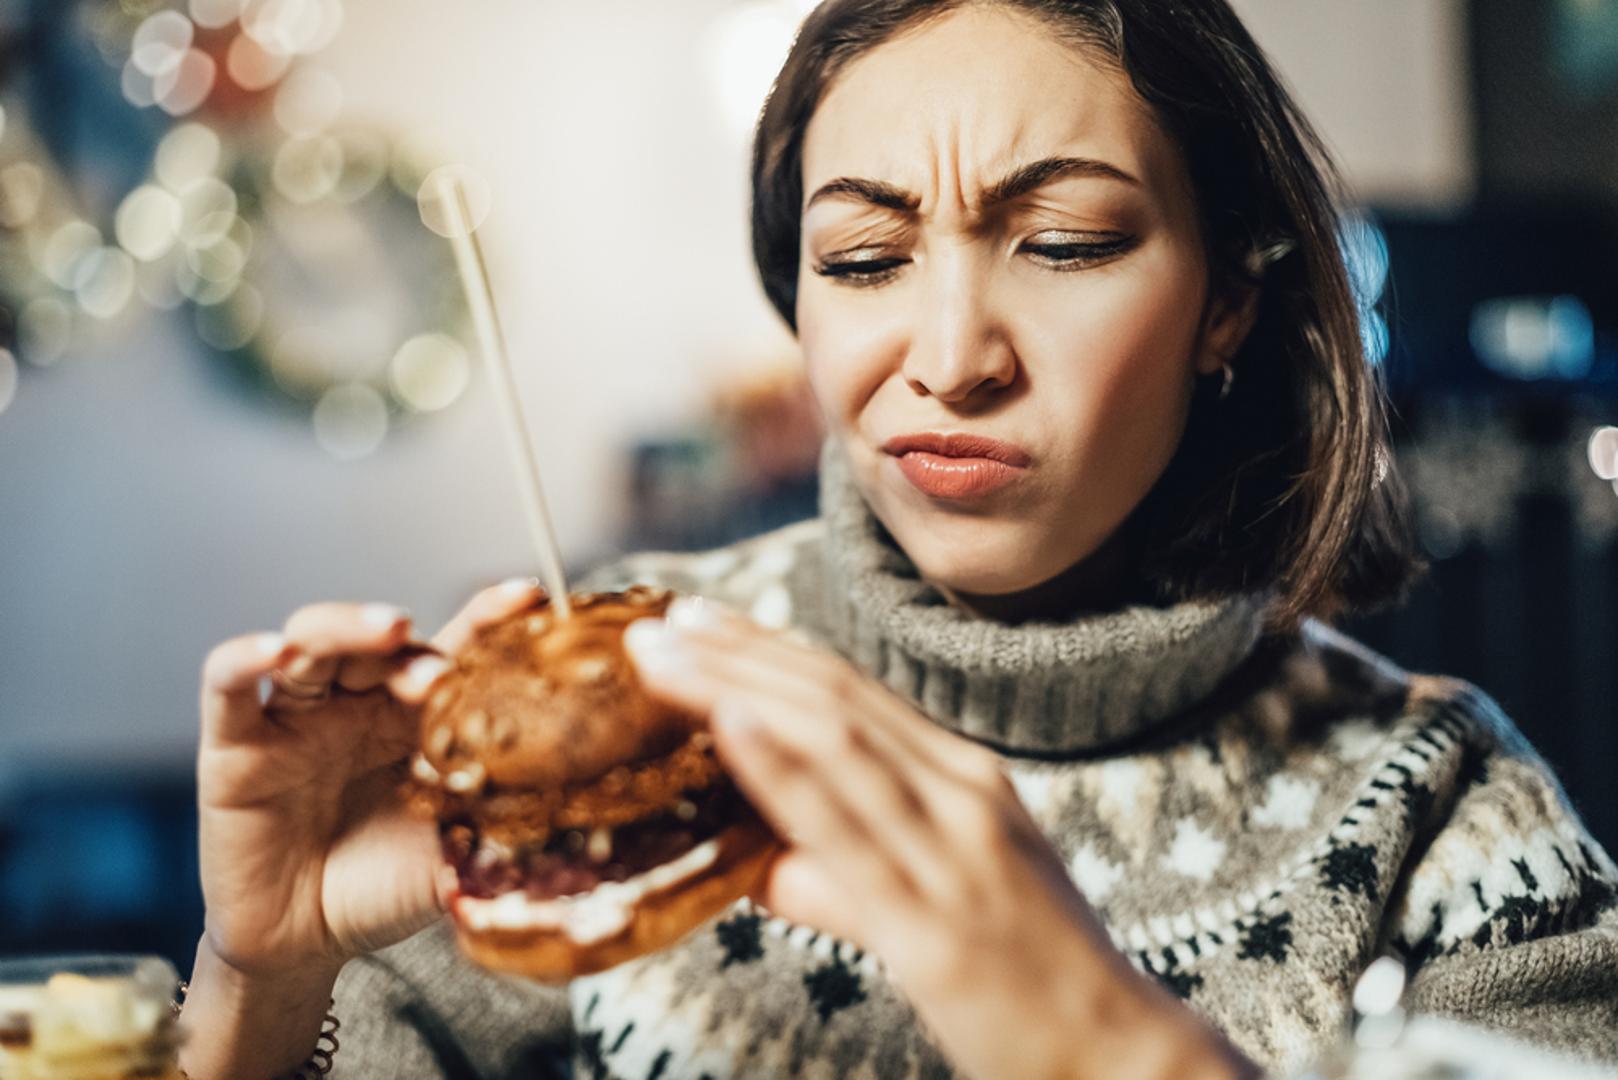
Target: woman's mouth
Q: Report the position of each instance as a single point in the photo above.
(957, 466)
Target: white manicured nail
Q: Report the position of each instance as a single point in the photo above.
(382, 616)
(695, 612)
(425, 670)
(271, 644)
(652, 644)
(519, 586)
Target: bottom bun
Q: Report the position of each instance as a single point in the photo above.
(659, 919)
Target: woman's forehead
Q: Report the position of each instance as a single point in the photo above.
(964, 99)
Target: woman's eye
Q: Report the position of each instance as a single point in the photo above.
(1065, 251)
(861, 269)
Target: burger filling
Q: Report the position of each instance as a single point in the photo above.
(570, 862)
(586, 883)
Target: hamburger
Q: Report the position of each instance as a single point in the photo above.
(584, 822)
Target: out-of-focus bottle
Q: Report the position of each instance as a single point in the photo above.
(88, 1018)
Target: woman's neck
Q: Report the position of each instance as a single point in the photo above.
(1106, 580)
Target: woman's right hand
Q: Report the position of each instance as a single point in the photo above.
(309, 855)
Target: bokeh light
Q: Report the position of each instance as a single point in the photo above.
(207, 206)
(351, 420)
(1535, 337)
(22, 184)
(253, 67)
(1442, 536)
(8, 379)
(160, 41)
(139, 88)
(293, 26)
(1603, 452)
(438, 215)
(202, 290)
(148, 222)
(309, 102)
(44, 330)
(215, 14)
(308, 170)
(220, 261)
(1365, 255)
(188, 153)
(185, 86)
(70, 243)
(1374, 336)
(365, 163)
(429, 372)
(104, 282)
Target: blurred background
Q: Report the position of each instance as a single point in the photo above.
(235, 374)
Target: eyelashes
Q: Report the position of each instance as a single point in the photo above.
(871, 266)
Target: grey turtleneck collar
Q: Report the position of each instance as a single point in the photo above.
(1036, 688)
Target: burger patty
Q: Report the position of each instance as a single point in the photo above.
(575, 861)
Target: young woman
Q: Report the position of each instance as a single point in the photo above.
(1078, 781)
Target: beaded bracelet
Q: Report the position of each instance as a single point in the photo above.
(319, 1063)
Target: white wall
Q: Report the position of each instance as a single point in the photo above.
(146, 512)
(1386, 82)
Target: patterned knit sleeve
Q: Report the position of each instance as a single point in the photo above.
(1508, 918)
(419, 1010)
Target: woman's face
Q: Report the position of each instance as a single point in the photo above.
(1003, 299)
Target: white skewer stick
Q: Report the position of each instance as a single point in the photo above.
(480, 300)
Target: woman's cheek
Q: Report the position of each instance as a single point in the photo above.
(847, 358)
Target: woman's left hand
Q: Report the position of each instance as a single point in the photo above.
(911, 842)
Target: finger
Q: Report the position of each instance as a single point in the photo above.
(331, 631)
(230, 679)
(362, 673)
(489, 606)
(796, 801)
(836, 765)
(800, 890)
(771, 655)
(692, 666)
(415, 678)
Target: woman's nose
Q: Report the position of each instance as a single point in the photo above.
(959, 347)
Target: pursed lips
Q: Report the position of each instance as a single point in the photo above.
(958, 465)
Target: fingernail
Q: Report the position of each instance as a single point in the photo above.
(425, 670)
(383, 616)
(653, 645)
(519, 586)
(694, 613)
(272, 644)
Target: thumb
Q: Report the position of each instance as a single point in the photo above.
(800, 891)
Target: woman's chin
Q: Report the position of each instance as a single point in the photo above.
(979, 573)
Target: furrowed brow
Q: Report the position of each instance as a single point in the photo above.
(1030, 177)
(1020, 182)
(875, 192)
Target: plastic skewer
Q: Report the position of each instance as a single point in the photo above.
(480, 301)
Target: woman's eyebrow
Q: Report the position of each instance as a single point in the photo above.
(1020, 181)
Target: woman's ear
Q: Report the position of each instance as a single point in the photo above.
(1230, 317)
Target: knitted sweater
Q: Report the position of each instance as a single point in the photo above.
(1254, 818)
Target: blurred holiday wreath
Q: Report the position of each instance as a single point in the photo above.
(200, 165)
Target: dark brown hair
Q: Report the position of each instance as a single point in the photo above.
(1288, 483)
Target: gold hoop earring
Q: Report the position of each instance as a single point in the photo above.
(1230, 378)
